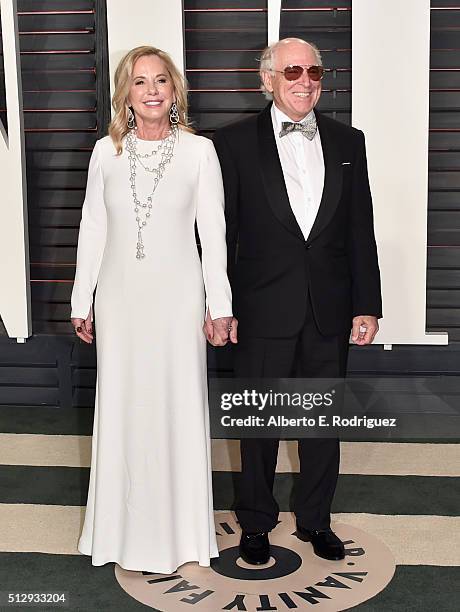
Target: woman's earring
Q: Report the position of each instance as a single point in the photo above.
(131, 120)
(174, 114)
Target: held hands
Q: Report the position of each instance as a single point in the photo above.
(219, 331)
(84, 328)
(364, 329)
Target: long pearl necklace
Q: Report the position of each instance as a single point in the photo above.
(166, 148)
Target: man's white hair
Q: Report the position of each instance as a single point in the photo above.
(267, 59)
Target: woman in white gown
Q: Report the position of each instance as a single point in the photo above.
(149, 503)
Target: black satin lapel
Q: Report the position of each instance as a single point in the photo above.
(333, 175)
(272, 174)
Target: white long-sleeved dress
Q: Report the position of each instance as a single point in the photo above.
(150, 495)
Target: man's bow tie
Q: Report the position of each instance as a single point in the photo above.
(308, 128)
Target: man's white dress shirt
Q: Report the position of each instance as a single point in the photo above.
(302, 163)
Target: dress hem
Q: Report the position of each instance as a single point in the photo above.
(144, 569)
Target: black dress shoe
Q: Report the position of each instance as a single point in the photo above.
(255, 548)
(325, 543)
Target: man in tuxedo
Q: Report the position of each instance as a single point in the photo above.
(302, 261)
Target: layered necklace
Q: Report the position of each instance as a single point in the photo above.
(165, 151)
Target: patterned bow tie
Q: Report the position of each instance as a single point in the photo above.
(308, 128)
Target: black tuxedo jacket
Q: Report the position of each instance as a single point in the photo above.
(272, 268)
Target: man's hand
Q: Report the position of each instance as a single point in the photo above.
(219, 331)
(364, 329)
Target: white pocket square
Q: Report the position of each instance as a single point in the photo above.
(346, 163)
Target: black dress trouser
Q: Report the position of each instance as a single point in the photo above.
(306, 355)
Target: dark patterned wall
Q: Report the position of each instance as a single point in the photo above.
(443, 295)
(66, 103)
(57, 44)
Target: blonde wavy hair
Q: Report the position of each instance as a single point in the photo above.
(118, 127)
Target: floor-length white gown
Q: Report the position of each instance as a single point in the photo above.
(150, 496)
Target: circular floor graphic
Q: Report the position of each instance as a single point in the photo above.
(294, 579)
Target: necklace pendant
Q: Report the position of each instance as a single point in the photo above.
(140, 251)
(139, 247)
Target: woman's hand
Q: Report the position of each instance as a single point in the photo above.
(84, 328)
(219, 331)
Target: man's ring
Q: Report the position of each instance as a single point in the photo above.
(78, 330)
(229, 328)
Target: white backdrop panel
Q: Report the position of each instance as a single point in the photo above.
(145, 22)
(390, 103)
(273, 21)
(14, 242)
